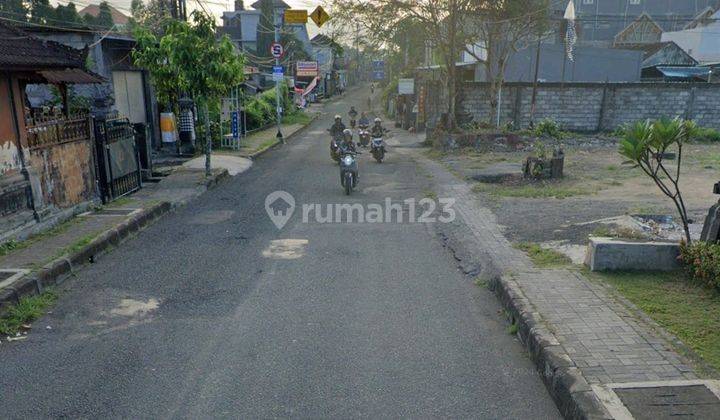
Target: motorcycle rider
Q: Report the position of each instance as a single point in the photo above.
(336, 130)
(377, 130)
(364, 121)
(347, 141)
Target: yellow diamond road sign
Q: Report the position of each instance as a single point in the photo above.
(296, 16)
(319, 16)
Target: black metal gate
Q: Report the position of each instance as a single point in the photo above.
(117, 158)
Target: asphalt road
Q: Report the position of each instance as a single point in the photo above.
(214, 312)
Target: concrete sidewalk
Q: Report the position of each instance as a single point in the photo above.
(45, 259)
(584, 340)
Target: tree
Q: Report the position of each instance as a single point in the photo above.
(501, 29)
(646, 144)
(14, 9)
(67, 15)
(442, 20)
(294, 48)
(265, 29)
(41, 11)
(104, 18)
(150, 15)
(189, 58)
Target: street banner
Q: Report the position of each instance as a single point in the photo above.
(296, 16)
(307, 69)
(168, 128)
(311, 86)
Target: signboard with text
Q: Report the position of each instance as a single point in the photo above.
(296, 16)
(306, 69)
(378, 69)
(277, 74)
(406, 86)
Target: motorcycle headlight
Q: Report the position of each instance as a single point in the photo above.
(348, 160)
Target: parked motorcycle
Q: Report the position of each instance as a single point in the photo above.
(348, 169)
(364, 136)
(377, 148)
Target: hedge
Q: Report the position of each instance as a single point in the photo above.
(702, 261)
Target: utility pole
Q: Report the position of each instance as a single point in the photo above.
(277, 17)
(535, 83)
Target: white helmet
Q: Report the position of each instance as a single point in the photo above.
(377, 120)
(338, 117)
(347, 132)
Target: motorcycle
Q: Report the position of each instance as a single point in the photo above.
(348, 169)
(364, 136)
(334, 152)
(377, 148)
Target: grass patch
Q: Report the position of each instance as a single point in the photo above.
(430, 194)
(29, 309)
(543, 257)
(690, 312)
(8, 247)
(512, 329)
(297, 118)
(122, 201)
(539, 190)
(482, 282)
(77, 245)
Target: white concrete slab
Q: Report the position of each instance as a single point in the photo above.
(234, 164)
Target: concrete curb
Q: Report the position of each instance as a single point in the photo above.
(265, 149)
(58, 270)
(567, 386)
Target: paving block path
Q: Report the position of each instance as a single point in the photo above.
(602, 336)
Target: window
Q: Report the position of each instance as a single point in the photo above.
(588, 1)
(635, 2)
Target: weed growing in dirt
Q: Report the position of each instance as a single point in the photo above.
(543, 257)
(29, 309)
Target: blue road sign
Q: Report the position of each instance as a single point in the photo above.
(234, 126)
(277, 73)
(378, 69)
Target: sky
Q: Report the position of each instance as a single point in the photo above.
(216, 7)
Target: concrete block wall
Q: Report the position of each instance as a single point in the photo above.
(595, 106)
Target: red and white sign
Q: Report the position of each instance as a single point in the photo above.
(307, 69)
(277, 50)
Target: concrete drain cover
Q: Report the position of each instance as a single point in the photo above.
(662, 400)
(9, 275)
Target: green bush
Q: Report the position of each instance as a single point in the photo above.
(709, 135)
(702, 261)
(548, 128)
(260, 109)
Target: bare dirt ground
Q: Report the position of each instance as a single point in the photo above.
(597, 187)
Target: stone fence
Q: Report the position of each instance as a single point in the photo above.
(594, 106)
